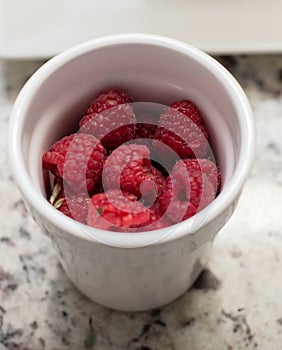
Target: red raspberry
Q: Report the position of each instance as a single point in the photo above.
(128, 168)
(146, 125)
(189, 109)
(192, 185)
(151, 186)
(74, 205)
(198, 167)
(108, 99)
(110, 118)
(115, 210)
(158, 219)
(183, 132)
(145, 131)
(78, 159)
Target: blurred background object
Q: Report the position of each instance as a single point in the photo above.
(2, 347)
(41, 29)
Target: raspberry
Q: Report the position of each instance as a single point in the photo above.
(129, 168)
(189, 109)
(129, 191)
(116, 210)
(151, 186)
(192, 185)
(145, 131)
(200, 166)
(76, 206)
(110, 118)
(146, 125)
(182, 130)
(78, 159)
(108, 99)
(158, 219)
(73, 205)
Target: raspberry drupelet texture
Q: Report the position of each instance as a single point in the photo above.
(180, 127)
(108, 99)
(161, 177)
(158, 219)
(129, 168)
(191, 186)
(110, 118)
(146, 125)
(76, 206)
(189, 109)
(78, 159)
(199, 167)
(116, 211)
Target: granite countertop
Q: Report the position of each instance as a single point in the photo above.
(236, 302)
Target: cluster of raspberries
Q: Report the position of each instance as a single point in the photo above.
(104, 174)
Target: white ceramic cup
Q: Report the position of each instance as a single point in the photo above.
(135, 271)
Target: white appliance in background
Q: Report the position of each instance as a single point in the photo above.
(40, 29)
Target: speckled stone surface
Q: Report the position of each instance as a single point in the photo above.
(236, 302)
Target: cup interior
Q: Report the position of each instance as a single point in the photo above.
(56, 97)
(150, 74)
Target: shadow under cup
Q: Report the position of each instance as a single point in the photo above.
(131, 272)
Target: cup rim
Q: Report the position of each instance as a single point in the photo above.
(226, 197)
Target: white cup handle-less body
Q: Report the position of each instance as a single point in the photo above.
(144, 270)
